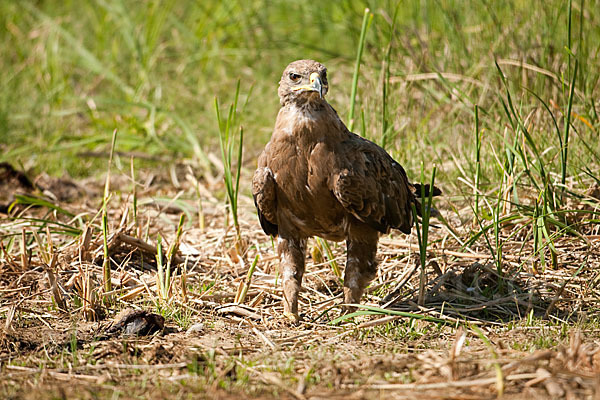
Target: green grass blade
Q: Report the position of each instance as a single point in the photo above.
(367, 19)
(565, 149)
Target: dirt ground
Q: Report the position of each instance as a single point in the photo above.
(531, 333)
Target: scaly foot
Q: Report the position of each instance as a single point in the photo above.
(293, 318)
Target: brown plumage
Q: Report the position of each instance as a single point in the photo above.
(316, 178)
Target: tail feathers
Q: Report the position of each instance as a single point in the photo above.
(433, 212)
(419, 190)
(422, 193)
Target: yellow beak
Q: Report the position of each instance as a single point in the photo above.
(314, 86)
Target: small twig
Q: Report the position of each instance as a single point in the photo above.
(265, 339)
(236, 309)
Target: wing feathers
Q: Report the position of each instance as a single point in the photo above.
(374, 188)
(265, 199)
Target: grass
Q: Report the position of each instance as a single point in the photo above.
(105, 199)
(367, 20)
(422, 227)
(227, 141)
(497, 103)
(187, 54)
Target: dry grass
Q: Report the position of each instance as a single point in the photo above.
(528, 332)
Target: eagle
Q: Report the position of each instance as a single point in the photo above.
(316, 178)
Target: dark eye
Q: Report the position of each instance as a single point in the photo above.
(294, 77)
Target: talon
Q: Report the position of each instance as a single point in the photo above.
(292, 317)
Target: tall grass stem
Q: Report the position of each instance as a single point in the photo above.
(367, 19)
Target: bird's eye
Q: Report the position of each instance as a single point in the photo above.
(294, 77)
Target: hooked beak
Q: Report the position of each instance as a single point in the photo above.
(314, 86)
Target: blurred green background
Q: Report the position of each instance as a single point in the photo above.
(73, 71)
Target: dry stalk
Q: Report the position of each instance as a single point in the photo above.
(54, 285)
(24, 258)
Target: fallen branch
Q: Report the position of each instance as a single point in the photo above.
(145, 247)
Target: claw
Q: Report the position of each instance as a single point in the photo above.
(294, 318)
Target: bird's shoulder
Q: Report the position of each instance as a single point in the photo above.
(370, 157)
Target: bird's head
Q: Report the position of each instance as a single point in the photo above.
(303, 82)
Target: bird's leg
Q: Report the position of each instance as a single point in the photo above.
(291, 261)
(361, 266)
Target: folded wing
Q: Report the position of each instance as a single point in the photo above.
(265, 199)
(373, 187)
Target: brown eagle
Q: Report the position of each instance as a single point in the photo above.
(316, 178)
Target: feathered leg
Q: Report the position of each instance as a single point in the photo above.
(291, 260)
(361, 266)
